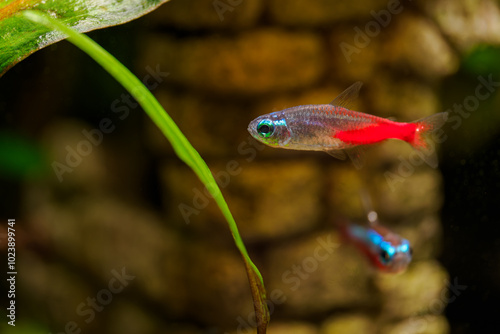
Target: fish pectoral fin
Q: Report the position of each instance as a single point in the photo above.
(348, 97)
(339, 154)
(357, 155)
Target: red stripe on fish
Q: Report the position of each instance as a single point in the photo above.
(378, 132)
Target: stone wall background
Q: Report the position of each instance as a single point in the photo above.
(118, 210)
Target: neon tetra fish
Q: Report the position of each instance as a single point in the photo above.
(333, 128)
(385, 249)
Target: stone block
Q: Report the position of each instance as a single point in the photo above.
(268, 200)
(295, 327)
(421, 289)
(321, 12)
(354, 58)
(415, 193)
(75, 161)
(254, 62)
(128, 317)
(101, 234)
(424, 234)
(215, 128)
(219, 291)
(419, 48)
(348, 324)
(317, 274)
(344, 193)
(51, 291)
(428, 324)
(207, 14)
(466, 23)
(404, 100)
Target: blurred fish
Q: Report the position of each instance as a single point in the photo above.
(333, 128)
(385, 249)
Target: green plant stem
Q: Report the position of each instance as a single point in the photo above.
(181, 145)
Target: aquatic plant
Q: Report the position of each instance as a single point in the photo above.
(181, 145)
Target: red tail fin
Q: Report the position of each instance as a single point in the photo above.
(425, 126)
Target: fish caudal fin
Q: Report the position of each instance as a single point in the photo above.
(424, 128)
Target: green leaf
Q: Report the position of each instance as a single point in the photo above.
(19, 157)
(181, 145)
(484, 60)
(20, 37)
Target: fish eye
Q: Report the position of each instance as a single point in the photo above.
(385, 256)
(265, 128)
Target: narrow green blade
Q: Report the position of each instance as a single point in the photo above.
(181, 145)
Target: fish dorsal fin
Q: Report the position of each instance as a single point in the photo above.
(347, 98)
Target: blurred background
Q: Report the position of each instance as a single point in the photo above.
(115, 235)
